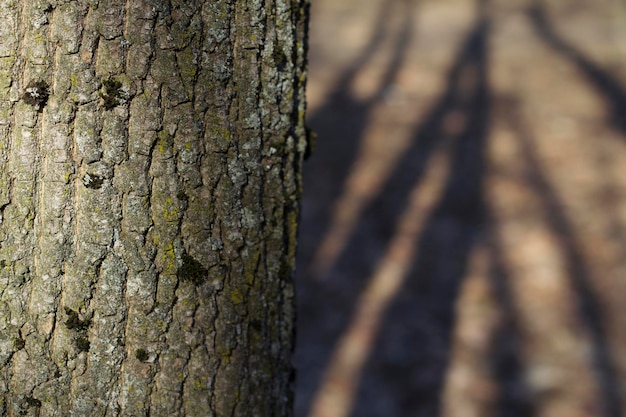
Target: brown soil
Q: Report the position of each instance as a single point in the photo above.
(463, 239)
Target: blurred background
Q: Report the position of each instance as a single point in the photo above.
(463, 236)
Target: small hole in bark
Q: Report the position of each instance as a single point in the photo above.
(19, 343)
(93, 181)
(73, 322)
(113, 95)
(36, 94)
(141, 355)
(192, 270)
(82, 343)
(32, 402)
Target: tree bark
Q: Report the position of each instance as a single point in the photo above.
(150, 155)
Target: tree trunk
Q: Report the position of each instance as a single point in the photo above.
(150, 156)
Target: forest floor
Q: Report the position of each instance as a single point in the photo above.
(463, 235)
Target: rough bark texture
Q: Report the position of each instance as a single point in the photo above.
(150, 156)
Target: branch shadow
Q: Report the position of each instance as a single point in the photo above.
(514, 397)
(340, 125)
(609, 197)
(609, 88)
(407, 368)
(405, 374)
(586, 302)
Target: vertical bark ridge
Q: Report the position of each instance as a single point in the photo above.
(92, 315)
(12, 301)
(35, 291)
(10, 337)
(142, 327)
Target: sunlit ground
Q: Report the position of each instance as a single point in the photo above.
(463, 239)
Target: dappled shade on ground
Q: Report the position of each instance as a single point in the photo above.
(463, 238)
